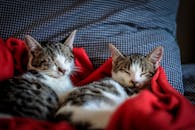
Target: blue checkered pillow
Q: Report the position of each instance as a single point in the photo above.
(132, 26)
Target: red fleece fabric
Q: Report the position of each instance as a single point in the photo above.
(162, 108)
(6, 62)
(13, 57)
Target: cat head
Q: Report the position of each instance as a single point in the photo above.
(52, 59)
(136, 70)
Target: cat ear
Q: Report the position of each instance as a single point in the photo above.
(70, 40)
(114, 52)
(156, 56)
(32, 43)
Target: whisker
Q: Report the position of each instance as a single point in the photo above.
(75, 70)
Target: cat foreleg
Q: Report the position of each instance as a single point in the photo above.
(88, 118)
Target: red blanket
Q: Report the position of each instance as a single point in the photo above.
(162, 109)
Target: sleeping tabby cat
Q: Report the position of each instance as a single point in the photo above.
(38, 92)
(91, 106)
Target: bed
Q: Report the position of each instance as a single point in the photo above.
(132, 26)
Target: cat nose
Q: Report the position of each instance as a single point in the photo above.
(134, 83)
(63, 71)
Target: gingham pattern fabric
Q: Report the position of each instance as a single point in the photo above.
(189, 81)
(132, 26)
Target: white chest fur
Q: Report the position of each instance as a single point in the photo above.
(60, 85)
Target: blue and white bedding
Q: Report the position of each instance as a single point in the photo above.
(132, 26)
(189, 81)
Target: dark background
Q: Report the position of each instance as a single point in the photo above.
(186, 30)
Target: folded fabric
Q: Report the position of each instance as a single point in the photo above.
(103, 71)
(83, 66)
(6, 62)
(162, 108)
(32, 124)
(13, 57)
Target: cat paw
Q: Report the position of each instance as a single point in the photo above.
(68, 116)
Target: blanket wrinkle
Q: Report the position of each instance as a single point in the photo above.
(19, 52)
(13, 57)
(162, 108)
(83, 66)
(6, 62)
(166, 111)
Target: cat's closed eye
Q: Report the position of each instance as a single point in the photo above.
(142, 74)
(147, 74)
(124, 70)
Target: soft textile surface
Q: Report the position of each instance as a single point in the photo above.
(13, 57)
(189, 81)
(133, 26)
(6, 61)
(162, 109)
(30, 124)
